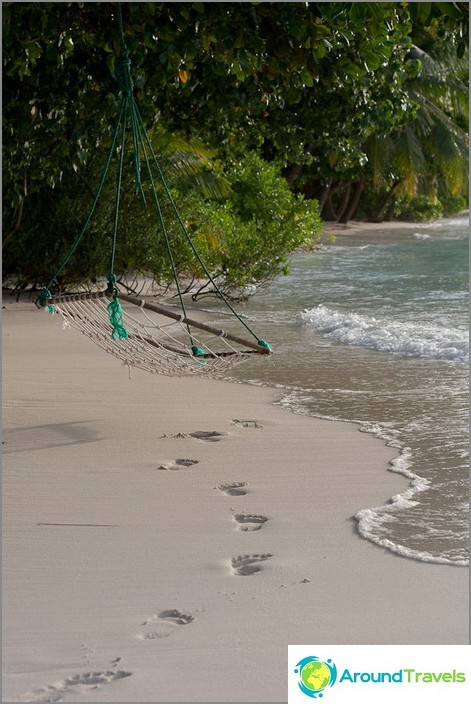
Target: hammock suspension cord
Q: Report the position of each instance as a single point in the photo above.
(143, 154)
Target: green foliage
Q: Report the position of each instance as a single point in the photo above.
(420, 208)
(429, 154)
(452, 205)
(302, 84)
(303, 81)
(245, 240)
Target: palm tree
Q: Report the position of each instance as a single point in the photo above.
(430, 154)
(189, 162)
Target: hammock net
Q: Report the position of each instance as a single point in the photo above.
(153, 342)
(141, 335)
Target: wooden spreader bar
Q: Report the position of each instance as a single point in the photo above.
(162, 310)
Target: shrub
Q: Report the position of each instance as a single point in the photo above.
(247, 238)
(419, 208)
(244, 240)
(452, 205)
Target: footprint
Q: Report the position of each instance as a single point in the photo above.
(173, 435)
(177, 617)
(249, 521)
(247, 423)
(208, 435)
(246, 565)
(87, 653)
(178, 464)
(79, 683)
(234, 489)
(164, 624)
(155, 635)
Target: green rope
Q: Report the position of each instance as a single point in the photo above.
(265, 344)
(118, 188)
(115, 313)
(197, 351)
(46, 294)
(188, 238)
(163, 227)
(141, 142)
(120, 24)
(43, 298)
(124, 78)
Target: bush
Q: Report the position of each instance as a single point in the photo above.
(452, 205)
(420, 208)
(244, 240)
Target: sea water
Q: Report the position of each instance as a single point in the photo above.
(378, 335)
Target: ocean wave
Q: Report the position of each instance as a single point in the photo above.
(408, 339)
(372, 522)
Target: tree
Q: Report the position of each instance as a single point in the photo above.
(199, 69)
(248, 73)
(429, 155)
(301, 83)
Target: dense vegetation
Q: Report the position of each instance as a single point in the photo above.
(264, 115)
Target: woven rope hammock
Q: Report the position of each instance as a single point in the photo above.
(151, 343)
(146, 335)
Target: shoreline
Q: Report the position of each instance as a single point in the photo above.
(398, 465)
(111, 557)
(358, 233)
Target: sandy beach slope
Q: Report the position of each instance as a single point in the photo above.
(357, 233)
(143, 563)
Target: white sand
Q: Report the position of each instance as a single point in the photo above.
(139, 602)
(358, 232)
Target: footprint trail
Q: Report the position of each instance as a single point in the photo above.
(249, 521)
(80, 684)
(247, 565)
(164, 624)
(178, 464)
(233, 489)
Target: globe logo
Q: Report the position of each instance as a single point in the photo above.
(315, 675)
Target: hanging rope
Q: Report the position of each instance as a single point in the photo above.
(46, 294)
(142, 153)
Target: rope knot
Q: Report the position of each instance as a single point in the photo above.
(44, 296)
(123, 74)
(115, 313)
(111, 289)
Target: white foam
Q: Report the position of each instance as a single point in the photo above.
(421, 236)
(371, 521)
(411, 339)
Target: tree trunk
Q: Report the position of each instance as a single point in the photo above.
(18, 214)
(380, 214)
(328, 212)
(345, 200)
(322, 194)
(292, 173)
(353, 205)
(326, 207)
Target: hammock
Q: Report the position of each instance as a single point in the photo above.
(152, 344)
(138, 339)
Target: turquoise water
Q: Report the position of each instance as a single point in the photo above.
(378, 335)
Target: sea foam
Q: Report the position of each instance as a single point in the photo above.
(409, 339)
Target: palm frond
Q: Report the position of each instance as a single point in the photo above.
(379, 150)
(409, 156)
(189, 162)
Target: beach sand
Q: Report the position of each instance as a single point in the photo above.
(144, 564)
(360, 233)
